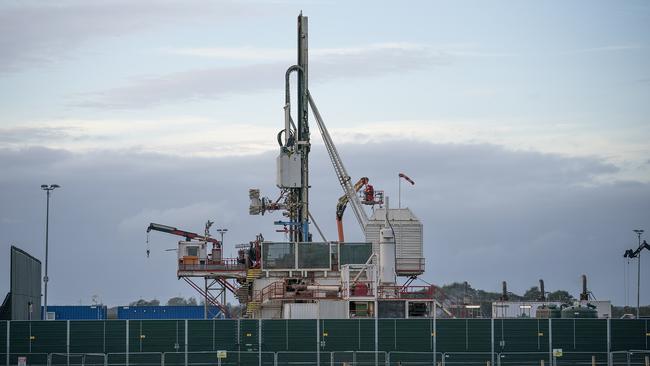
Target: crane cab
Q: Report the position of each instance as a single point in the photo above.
(190, 252)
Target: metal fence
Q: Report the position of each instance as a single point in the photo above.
(335, 358)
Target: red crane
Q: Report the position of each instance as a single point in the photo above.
(216, 244)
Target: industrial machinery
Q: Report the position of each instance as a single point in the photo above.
(194, 260)
(370, 197)
(303, 277)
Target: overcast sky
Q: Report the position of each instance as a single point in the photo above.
(525, 125)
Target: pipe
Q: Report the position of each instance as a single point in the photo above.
(504, 293)
(542, 295)
(584, 295)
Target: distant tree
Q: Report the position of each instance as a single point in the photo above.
(143, 302)
(180, 301)
(532, 294)
(176, 301)
(560, 295)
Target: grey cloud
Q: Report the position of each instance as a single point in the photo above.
(34, 134)
(40, 32)
(222, 82)
(490, 214)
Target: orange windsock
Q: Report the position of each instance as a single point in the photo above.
(402, 175)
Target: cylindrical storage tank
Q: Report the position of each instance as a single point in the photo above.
(548, 311)
(386, 256)
(580, 312)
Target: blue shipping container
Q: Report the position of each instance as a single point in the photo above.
(77, 312)
(166, 312)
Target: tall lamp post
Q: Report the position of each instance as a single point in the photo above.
(48, 190)
(637, 254)
(222, 232)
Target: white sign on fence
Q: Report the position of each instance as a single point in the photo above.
(22, 361)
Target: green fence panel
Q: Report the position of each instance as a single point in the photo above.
(451, 335)
(629, 334)
(413, 335)
(302, 335)
(479, 335)
(3, 337)
(366, 334)
(19, 334)
(212, 335)
(591, 335)
(200, 335)
(157, 335)
(225, 335)
(87, 336)
(521, 335)
(343, 335)
(580, 335)
(48, 336)
(248, 335)
(275, 336)
(387, 329)
(115, 338)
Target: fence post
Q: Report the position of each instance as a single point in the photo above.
(647, 361)
(259, 340)
(8, 339)
(541, 362)
(492, 339)
(185, 342)
(593, 360)
(67, 341)
(609, 342)
(127, 342)
(162, 359)
(551, 359)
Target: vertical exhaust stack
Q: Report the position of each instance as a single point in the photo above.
(542, 293)
(584, 295)
(504, 291)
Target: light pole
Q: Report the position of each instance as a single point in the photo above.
(638, 274)
(222, 232)
(47, 189)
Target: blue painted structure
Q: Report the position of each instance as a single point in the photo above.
(77, 312)
(166, 312)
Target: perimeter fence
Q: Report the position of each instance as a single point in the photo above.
(494, 342)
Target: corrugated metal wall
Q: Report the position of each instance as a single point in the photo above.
(166, 312)
(402, 335)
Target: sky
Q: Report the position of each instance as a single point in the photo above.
(524, 124)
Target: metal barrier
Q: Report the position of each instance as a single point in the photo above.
(639, 358)
(415, 358)
(334, 358)
(218, 358)
(466, 358)
(32, 359)
(523, 358)
(77, 359)
(135, 359)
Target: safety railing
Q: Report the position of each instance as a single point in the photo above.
(223, 265)
(406, 292)
(409, 266)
